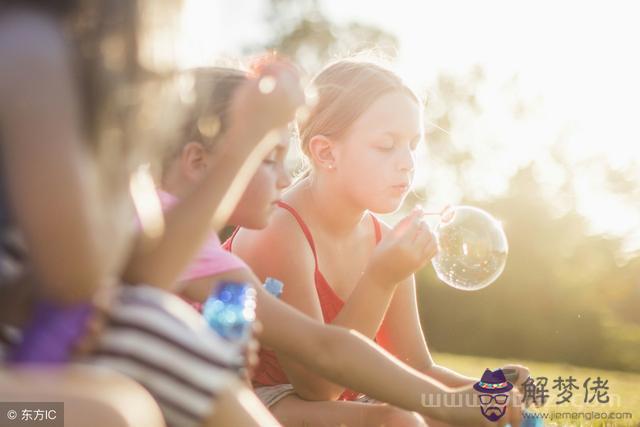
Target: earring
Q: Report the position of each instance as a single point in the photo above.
(329, 166)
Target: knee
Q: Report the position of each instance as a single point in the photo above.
(390, 416)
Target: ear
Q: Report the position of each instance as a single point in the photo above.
(194, 160)
(323, 151)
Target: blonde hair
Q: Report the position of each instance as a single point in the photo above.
(345, 90)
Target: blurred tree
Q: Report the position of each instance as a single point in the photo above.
(303, 32)
(563, 296)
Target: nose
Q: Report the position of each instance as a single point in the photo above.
(406, 161)
(284, 178)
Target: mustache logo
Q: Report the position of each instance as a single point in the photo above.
(493, 413)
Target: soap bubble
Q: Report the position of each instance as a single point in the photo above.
(472, 248)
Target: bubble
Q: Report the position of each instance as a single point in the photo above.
(472, 248)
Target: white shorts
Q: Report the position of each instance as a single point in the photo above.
(270, 395)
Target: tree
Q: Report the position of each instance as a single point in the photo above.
(303, 32)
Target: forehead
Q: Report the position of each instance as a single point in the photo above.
(394, 112)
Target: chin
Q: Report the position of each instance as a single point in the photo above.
(257, 223)
(386, 206)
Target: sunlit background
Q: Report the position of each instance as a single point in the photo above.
(559, 79)
(531, 114)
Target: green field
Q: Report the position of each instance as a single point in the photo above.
(624, 388)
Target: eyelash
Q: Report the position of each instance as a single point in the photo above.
(412, 147)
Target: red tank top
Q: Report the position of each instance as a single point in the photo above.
(269, 371)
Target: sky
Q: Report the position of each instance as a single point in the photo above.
(574, 65)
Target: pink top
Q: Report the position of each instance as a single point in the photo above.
(211, 259)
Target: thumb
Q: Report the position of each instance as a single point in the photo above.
(407, 222)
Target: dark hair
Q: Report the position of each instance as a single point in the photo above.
(125, 82)
(87, 24)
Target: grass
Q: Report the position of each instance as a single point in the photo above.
(624, 389)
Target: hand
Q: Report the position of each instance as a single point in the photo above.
(103, 300)
(520, 375)
(404, 250)
(268, 100)
(523, 375)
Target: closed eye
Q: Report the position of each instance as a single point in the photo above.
(386, 144)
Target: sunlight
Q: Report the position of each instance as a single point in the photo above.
(579, 88)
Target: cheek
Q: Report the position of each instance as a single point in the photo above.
(260, 191)
(367, 178)
(366, 166)
(368, 172)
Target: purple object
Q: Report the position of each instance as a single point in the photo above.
(52, 333)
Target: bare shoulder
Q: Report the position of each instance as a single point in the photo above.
(278, 250)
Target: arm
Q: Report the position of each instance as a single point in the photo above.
(343, 356)
(365, 308)
(402, 250)
(252, 116)
(264, 251)
(410, 346)
(43, 159)
(348, 358)
(190, 221)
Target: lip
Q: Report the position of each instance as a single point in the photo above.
(401, 187)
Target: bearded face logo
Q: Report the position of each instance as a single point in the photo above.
(494, 394)
(493, 406)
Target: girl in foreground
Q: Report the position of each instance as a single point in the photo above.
(328, 351)
(72, 135)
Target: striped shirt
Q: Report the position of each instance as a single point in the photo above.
(161, 342)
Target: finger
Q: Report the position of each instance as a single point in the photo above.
(406, 222)
(257, 328)
(409, 227)
(516, 416)
(430, 250)
(286, 79)
(252, 360)
(271, 60)
(253, 346)
(89, 340)
(421, 237)
(515, 409)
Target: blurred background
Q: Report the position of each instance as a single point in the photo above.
(531, 112)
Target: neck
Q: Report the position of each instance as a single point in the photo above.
(336, 214)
